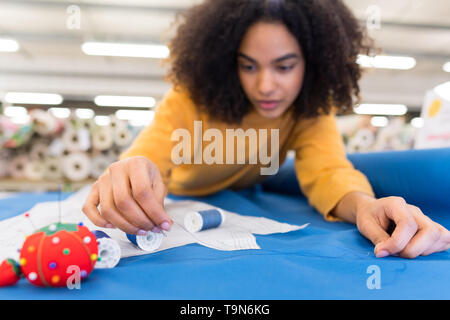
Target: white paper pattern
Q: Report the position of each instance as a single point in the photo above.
(236, 233)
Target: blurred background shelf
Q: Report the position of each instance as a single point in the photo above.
(25, 185)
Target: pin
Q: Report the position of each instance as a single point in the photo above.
(27, 215)
(59, 202)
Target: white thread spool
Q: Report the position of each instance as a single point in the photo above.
(150, 242)
(108, 250)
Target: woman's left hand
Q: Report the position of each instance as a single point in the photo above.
(413, 235)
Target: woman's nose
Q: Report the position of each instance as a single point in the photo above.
(266, 83)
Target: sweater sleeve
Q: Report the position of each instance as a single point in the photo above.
(154, 142)
(323, 170)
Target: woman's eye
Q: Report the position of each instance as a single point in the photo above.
(285, 68)
(247, 67)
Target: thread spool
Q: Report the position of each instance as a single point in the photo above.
(196, 221)
(108, 251)
(149, 242)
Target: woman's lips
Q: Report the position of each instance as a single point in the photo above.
(269, 105)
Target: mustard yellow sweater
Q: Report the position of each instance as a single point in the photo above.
(324, 173)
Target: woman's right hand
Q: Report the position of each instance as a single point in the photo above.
(129, 196)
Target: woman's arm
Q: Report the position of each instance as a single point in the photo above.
(130, 194)
(394, 226)
(323, 170)
(340, 192)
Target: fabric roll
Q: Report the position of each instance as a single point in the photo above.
(44, 123)
(102, 138)
(123, 137)
(76, 140)
(34, 170)
(76, 166)
(16, 167)
(99, 164)
(53, 168)
(39, 151)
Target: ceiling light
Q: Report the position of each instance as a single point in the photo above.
(382, 109)
(443, 90)
(387, 62)
(125, 50)
(102, 120)
(9, 45)
(417, 123)
(137, 117)
(61, 113)
(15, 111)
(85, 113)
(33, 98)
(446, 67)
(123, 101)
(379, 121)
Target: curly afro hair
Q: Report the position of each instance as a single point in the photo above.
(204, 53)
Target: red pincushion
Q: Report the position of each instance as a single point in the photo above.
(9, 273)
(46, 255)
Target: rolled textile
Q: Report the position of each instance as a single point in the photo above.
(76, 166)
(102, 138)
(99, 164)
(34, 170)
(76, 140)
(16, 167)
(123, 137)
(53, 168)
(44, 123)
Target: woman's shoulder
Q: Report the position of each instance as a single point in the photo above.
(177, 101)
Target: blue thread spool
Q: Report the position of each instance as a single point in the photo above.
(149, 242)
(108, 251)
(196, 221)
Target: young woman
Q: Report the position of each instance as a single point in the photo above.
(283, 65)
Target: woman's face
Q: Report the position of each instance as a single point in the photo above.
(271, 68)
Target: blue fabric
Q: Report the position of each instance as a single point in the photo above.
(324, 261)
